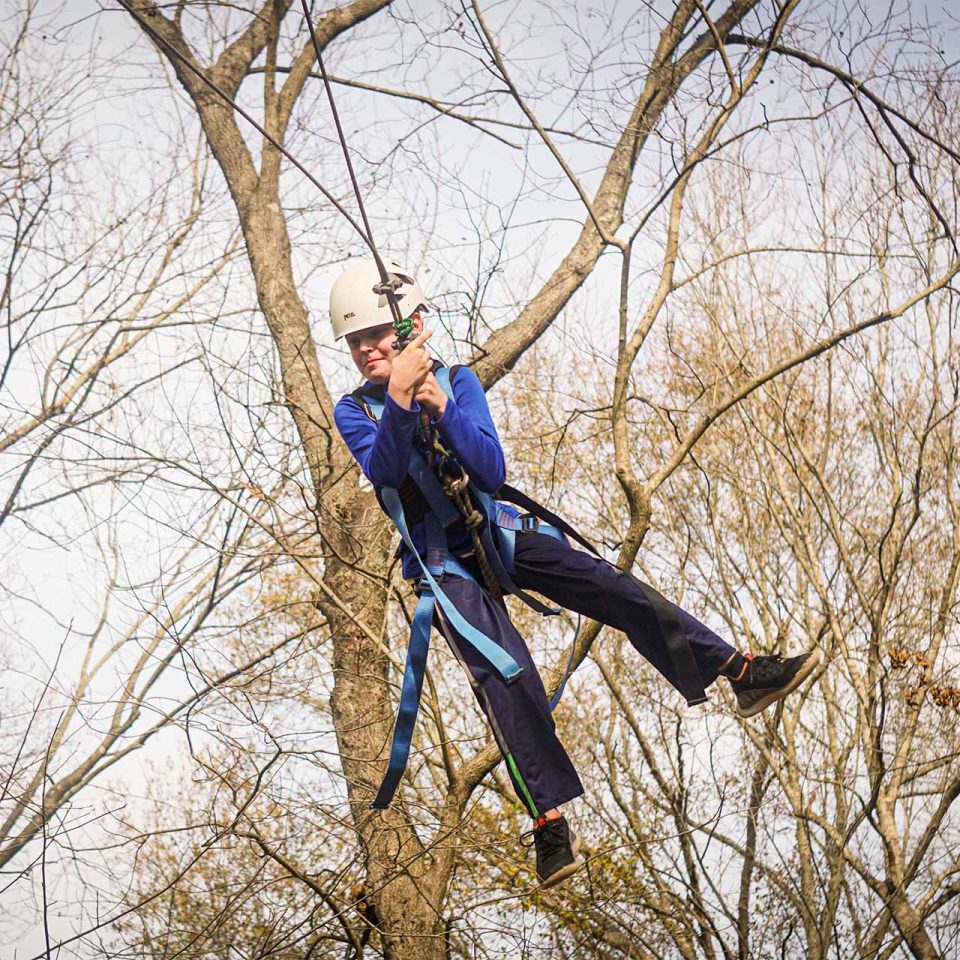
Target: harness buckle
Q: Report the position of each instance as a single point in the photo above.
(423, 585)
(529, 522)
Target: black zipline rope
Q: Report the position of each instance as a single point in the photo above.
(171, 49)
(386, 287)
(454, 486)
(384, 277)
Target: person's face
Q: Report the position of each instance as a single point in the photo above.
(372, 350)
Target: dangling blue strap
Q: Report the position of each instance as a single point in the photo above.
(438, 561)
(406, 720)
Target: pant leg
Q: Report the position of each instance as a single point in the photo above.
(588, 585)
(542, 774)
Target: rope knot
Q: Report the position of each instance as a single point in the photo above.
(473, 520)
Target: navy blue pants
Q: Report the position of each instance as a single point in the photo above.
(519, 713)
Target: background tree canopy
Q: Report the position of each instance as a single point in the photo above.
(703, 256)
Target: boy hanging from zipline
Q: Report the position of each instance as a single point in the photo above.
(419, 432)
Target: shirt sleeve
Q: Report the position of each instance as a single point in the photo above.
(383, 454)
(466, 428)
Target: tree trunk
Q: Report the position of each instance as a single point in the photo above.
(408, 898)
(910, 925)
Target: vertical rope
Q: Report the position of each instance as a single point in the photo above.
(172, 51)
(387, 286)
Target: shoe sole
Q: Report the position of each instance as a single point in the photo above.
(774, 695)
(569, 870)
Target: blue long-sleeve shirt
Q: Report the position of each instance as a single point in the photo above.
(466, 429)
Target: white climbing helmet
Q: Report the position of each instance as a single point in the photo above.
(355, 306)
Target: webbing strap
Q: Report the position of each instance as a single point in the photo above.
(438, 561)
(681, 655)
(507, 582)
(508, 526)
(442, 376)
(413, 672)
(568, 669)
(431, 489)
(508, 548)
(496, 656)
(493, 555)
(528, 504)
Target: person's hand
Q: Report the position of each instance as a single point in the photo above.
(430, 395)
(409, 369)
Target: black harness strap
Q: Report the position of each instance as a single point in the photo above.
(688, 674)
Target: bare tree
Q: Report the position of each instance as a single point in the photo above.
(820, 513)
(108, 300)
(635, 157)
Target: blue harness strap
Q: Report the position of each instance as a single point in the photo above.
(441, 513)
(500, 554)
(409, 706)
(438, 562)
(508, 526)
(494, 654)
(442, 376)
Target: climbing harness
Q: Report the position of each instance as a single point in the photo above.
(496, 529)
(444, 487)
(440, 514)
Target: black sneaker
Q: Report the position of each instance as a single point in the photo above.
(769, 679)
(558, 851)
